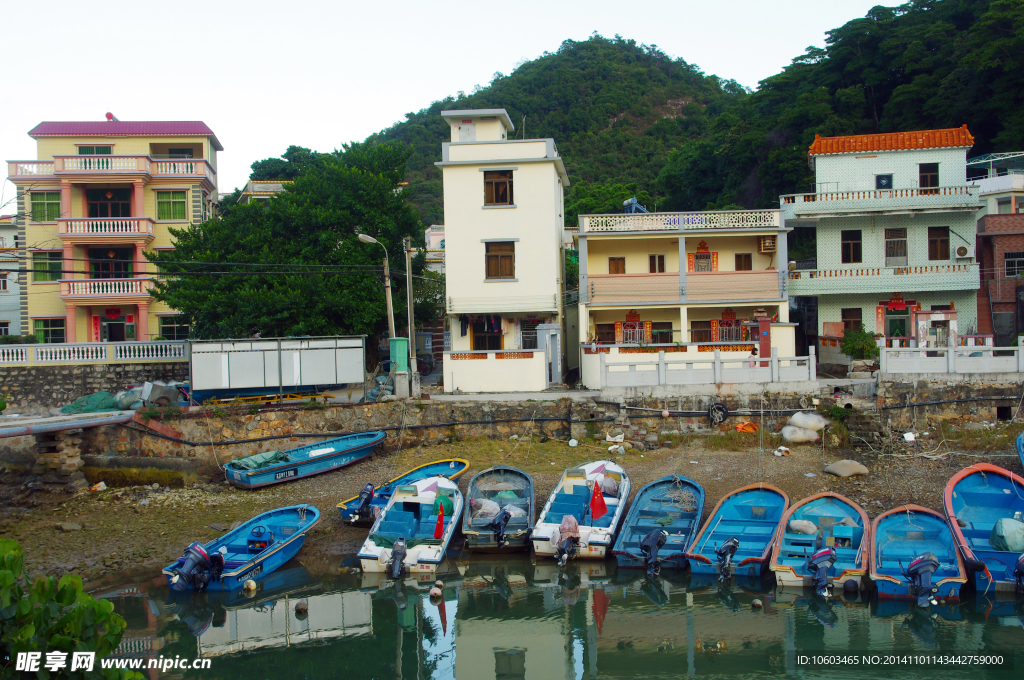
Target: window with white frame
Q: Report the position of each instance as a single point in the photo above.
(896, 247)
(5, 327)
(3, 282)
(1014, 263)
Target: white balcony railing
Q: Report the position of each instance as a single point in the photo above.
(104, 287)
(731, 219)
(150, 351)
(107, 226)
(101, 163)
(14, 354)
(61, 353)
(95, 352)
(29, 168)
(873, 200)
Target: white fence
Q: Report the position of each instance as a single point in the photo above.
(516, 370)
(94, 352)
(683, 368)
(952, 359)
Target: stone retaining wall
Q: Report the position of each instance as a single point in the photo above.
(37, 389)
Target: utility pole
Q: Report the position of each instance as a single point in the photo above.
(408, 291)
(387, 294)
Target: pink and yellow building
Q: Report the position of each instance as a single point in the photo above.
(98, 195)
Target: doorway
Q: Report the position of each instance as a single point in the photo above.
(109, 202)
(110, 263)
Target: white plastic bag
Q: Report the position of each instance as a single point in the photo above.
(808, 421)
(798, 435)
(802, 526)
(617, 438)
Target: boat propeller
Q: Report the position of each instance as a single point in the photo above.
(919, 574)
(725, 554)
(567, 550)
(365, 496)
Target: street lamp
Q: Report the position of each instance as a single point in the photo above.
(365, 238)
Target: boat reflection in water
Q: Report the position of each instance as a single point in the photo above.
(509, 618)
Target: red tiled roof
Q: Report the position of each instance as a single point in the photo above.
(125, 128)
(893, 141)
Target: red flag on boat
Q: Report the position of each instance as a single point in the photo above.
(601, 602)
(439, 529)
(598, 508)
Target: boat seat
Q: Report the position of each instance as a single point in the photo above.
(557, 510)
(427, 526)
(396, 528)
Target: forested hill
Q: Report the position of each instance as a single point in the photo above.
(629, 119)
(616, 110)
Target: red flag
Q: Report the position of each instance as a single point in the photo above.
(601, 602)
(598, 508)
(439, 529)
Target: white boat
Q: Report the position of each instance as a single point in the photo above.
(572, 496)
(409, 516)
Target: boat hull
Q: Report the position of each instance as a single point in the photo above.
(443, 467)
(489, 484)
(291, 471)
(651, 509)
(934, 536)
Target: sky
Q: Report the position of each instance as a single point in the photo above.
(265, 75)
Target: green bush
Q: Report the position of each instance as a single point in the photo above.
(54, 616)
(859, 344)
(837, 412)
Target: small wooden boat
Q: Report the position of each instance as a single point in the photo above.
(900, 537)
(975, 499)
(673, 504)
(572, 498)
(274, 467)
(402, 539)
(250, 551)
(842, 524)
(378, 498)
(490, 493)
(751, 515)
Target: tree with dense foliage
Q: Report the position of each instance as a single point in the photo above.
(57, 617)
(294, 265)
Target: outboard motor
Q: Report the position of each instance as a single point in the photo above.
(725, 553)
(398, 553)
(195, 571)
(365, 496)
(566, 550)
(919, 573)
(649, 549)
(498, 525)
(818, 565)
(1018, 575)
(217, 563)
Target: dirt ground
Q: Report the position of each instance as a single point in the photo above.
(102, 536)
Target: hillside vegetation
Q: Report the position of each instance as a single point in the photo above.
(630, 120)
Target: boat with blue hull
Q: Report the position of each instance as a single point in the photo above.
(275, 467)
(364, 508)
(672, 504)
(250, 551)
(914, 556)
(499, 512)
(740, 532)
(975, 500)
(840, 524)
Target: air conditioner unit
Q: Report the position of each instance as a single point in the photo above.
(965, 252)
(766, 244)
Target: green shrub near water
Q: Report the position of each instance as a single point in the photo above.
(53, 616)
(859, 344)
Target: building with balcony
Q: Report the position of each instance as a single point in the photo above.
(894, 225)
(433, 238)
(98, 196)
(10, 299)
(999, 178)
(503, 207)
(1001, 255)
(691, 284)
(261, 192)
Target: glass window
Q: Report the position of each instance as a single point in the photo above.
(851, 246)
(1005, 206)
(852, 318)
(656, 263)
(47, 266)
(109, 202)
(45, 206)
(1014, 263)
(702, 262)
(485, 337)
(744, 262)
(5, 327)
(174, 327)
(501, 260)
(895, 247)
(49, 330)
(179, 153)
(938, 243)
(929, 176)
(170, 205)
(498, 187)
(3, 282)
(94, 151)
(883, 181)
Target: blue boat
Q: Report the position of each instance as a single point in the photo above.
(903, 535)
(491, 492)
(1020, 447)
(378, 497)
(672, 503)
(841, 523)
(274, 467)
(752, 515)
(975, 499)
(250, 551)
